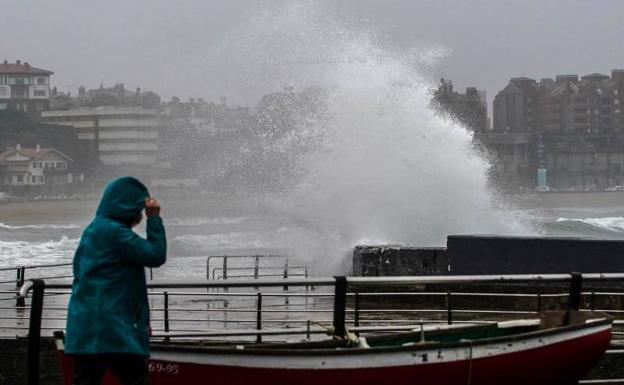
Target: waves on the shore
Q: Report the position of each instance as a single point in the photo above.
(596, 227)
(233, 240)
(205, 221)
(608, 223)
(40, 226)
(16, 253)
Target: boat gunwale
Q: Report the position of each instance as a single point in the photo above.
(232, 350)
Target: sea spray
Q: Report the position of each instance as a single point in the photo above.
(378, 165)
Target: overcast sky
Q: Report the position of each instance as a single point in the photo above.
(170, 46)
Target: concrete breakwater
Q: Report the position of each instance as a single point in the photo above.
(483, 254)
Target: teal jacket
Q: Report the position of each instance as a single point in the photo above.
(108, 309)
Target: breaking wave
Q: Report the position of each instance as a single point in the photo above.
(40, 226)
(608, 223)
(18, 253)
(205, 221)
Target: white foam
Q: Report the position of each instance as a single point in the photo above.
(607, 223)
(378, 164)
(205, 221)
(17, 253)
(40, 226)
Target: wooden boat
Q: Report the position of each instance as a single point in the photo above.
(557, 348)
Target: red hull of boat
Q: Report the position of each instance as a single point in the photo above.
(559, 363)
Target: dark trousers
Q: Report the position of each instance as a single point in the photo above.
(129, 369)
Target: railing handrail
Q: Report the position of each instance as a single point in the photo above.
(35, 266)
(357, 282)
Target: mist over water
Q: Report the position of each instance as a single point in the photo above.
(377, 166)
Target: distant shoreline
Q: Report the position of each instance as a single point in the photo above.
(596, 199)
(81, 211)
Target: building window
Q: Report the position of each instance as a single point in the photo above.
(18, 179)
(20, 92)
(3, 106)
(37, 164)
(40, 93)
(41, 81)
(60, 165)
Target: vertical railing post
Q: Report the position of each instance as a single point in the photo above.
(259, 317)
(34, 331)
(340, 304)
(256, 266)
(151, 274)
(21, 272)
(356, 313)
(539, 302)
(576, 285)
(574, 298)
(286, 299)
(308, 329)
(225, 270)
(592, 301)
(166, 313)
(449, 308)
(305, 271)
(286, 274)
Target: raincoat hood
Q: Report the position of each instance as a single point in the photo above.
(123, 200)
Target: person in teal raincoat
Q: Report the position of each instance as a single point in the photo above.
(108, 314)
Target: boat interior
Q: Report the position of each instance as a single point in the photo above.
(429, 334)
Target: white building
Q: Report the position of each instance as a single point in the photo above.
(23, 87)
(121, 135)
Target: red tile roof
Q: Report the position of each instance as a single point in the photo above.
(21, 69)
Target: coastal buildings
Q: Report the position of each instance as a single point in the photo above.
(37, 169)
(589, 105)
(117, 136)
(23, 87)
(569, 128)
(469, 109)
(117, 96)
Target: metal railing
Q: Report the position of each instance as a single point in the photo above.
(255, 269)
(337, 325)
(20, 276)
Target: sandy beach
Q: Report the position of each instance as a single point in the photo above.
(52, 211)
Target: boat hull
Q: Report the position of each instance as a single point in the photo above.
(557, 357)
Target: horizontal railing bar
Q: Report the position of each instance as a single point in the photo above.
(241, 333)
(35, 266)
(374, 294)
(376, 281)
(253, 294)
(252, 268)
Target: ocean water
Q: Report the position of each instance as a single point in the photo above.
(192, 240)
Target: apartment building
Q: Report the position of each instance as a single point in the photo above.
(23, 87)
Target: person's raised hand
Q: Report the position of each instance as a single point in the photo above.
(152, 207)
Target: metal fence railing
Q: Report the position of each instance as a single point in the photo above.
(255, 308)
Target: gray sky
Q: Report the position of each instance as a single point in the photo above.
(171, 47)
